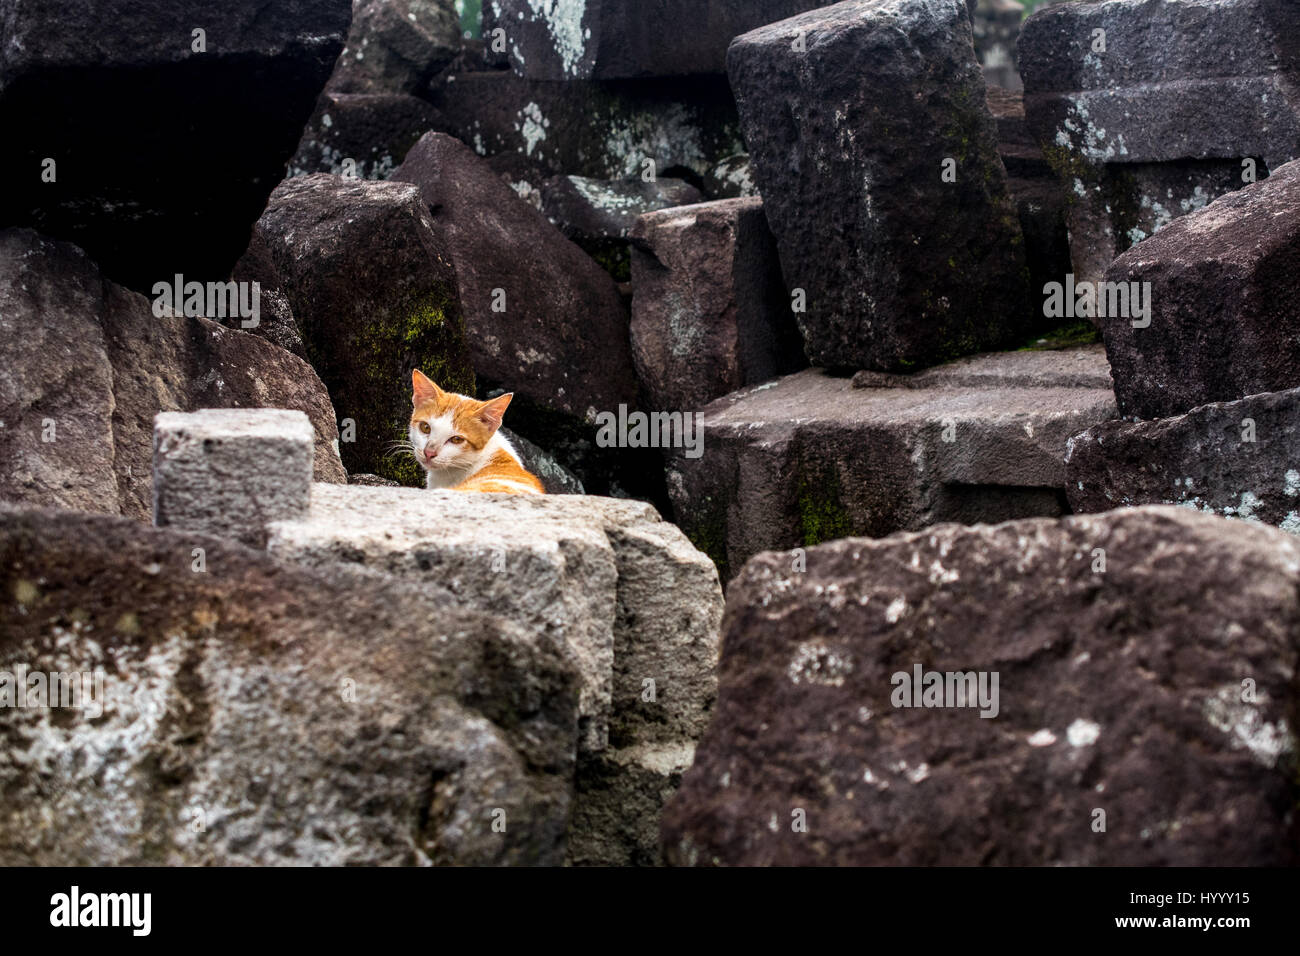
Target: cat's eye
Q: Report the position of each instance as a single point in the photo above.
(456, 439)
(424, 428)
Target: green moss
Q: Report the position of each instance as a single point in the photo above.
(612, 255)
(710, 536)
(1063, 337)
(822, 516)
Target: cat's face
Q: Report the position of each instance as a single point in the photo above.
(448, 431)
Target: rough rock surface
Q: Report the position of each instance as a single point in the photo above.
(623, 589)
(373, 290)
(854, 116)
(138, 123)
(1145, 712)
(85, 365)
(1238, 459)
(586, 208)
(258, 714)
(602, 130)
(363, 135)
(614, 39)
(396, 46)
(598, 214)
(1223, 325)
(731, 178)
(811, 457)
(1148, 111)
(1181, 79)
(230, 472)
(710, 313)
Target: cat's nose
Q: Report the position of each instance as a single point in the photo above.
(430, 452)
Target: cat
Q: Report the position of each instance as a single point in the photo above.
(456, 442)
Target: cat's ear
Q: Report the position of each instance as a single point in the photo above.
(423, 388)
(492, 412)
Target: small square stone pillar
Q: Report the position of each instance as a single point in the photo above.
(231, 471)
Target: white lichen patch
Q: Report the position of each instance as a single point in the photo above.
(1082, 733)
(569, 36)
(897, 608)
(1244, 723)
(816, 663)
(532, 127)
(1043, 738)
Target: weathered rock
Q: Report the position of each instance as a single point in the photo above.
(137, 123)
(373, 481)
(586, 208)
(598, 214)
(1111, 88)
(363, 135)
(396, 46)
(1238, 459)
(709, 310)
(812, 457)
(852, 115)
(373, 290)
(638, 606)
(258, 714)
(543, 320)
(1152, 694)
(603, 130)
(276, 322)
(230, 472)
(731, 178)
(560, 338)
(1222, 284)
(614, 39)
(85, 365)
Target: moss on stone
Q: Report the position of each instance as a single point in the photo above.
(710, 536)
(822, 515)
(1065, 336)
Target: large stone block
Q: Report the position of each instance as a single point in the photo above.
(877, 160)
(1150, 110)
(637, 606)
(119, 118)
(230, 472)
(260, 714)
(396, 46)
(1238, 459)
(588, 128)
(811, 457)
(85, 365)
(709, 309)
(1132, 698)
(1222, 286)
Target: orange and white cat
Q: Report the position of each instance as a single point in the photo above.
(456, 442)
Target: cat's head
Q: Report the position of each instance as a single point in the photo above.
(449, 432)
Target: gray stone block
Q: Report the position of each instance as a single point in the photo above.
(230, 472)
